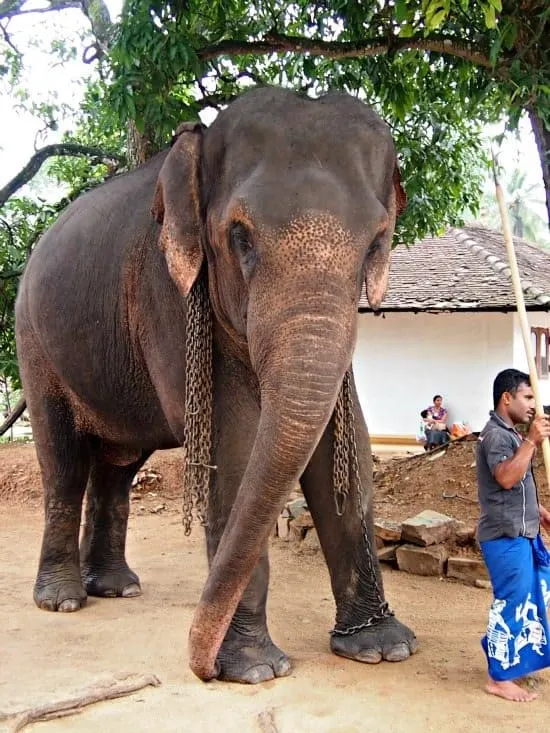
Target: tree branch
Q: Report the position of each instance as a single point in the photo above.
(12, 274)
(7, 39)
(102, 28)
(215, 100)
(542, 140)
(11, 8)
(35, 163)
(10, 232)
(71, 706)
(281, 43)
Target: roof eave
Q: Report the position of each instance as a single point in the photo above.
(451, 309)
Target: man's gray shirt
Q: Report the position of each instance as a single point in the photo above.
(504, 512)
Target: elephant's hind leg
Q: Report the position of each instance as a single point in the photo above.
(104, 569)
(63, 455)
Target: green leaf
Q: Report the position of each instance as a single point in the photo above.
(406, 31)
(509, 34)
(490, 17)
(437, 19)
(401, 12)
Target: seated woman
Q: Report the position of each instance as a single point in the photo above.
(436, 424)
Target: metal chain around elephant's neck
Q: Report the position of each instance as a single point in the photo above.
(198, 404)
(346, 470)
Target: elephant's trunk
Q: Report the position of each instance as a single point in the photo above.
(300, 362)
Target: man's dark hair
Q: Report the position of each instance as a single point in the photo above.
(436, 396)
(424, 413)
(508, 380)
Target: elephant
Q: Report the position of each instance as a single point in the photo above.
(209, 299)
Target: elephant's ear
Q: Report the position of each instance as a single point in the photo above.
(379, 254)
(176, 206)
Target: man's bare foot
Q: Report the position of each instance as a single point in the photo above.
(509, 691)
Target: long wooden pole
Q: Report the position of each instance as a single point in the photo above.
(522, 313)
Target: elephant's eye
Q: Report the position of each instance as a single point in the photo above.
(239, 238)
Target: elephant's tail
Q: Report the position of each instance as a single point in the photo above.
(14, 415)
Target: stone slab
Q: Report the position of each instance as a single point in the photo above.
(428, 528)
(387, 530)
(422, 560)
(283, 529)
(296, 507)
(304, 521)
(467, 569)
(388, 553)
(466, 535)
(296, 533)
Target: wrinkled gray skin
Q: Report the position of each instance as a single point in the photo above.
(290, 203)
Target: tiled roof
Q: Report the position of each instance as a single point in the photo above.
(465, 269)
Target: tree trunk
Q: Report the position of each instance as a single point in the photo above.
(140, 146)
(542, 138)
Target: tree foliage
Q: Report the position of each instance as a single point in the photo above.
(436, 70)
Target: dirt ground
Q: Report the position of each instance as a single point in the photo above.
(444, 481)
(47, 656)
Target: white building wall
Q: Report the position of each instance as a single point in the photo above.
(402, 359)
(520, 360)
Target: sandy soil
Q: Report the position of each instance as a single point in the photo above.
(48, 656)
(444, 481)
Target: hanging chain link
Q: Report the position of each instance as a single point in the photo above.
(345, 451)
(340, 465)
(198, 404)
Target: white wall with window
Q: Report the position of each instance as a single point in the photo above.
(540, 341)
(403, 359)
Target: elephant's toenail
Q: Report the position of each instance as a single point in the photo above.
(397, 653)
(131, 591)
(370, 656)
(69, 606)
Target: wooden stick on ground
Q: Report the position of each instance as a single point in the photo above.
(96, 693)
(522, 313)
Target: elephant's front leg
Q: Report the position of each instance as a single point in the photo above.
(247, 654)
(365, 628)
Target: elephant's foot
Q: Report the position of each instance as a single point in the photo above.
(251, 659)
(110, 582)
(389, 639)
(51, 593)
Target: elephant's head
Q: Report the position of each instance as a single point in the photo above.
(292, 202)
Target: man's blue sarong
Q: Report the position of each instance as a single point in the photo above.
(517, 642)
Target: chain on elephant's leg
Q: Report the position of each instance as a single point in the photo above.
(380, 635)
(347, 477)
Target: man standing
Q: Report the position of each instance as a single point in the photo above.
(517, 642)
